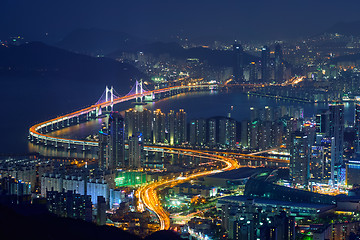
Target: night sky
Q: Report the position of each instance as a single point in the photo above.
(227, 19)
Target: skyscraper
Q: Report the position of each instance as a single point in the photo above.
(279, 64)
(299, 158)
(265, 64)
(139, 119)
(104, 150)
(198, 132)
(136, 148)
(227, 132)
(116, 141)
(158, 127)
(180, 127)
(336, 125)
(212, 129)
(253, 76)
(322, 122)
(269, 113)
(253, 114)
(238, 63)
(171, 125)
(253, 132)
(244, 133)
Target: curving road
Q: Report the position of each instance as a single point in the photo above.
(147, 195)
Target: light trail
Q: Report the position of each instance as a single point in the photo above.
(147, 195)
(250, 157)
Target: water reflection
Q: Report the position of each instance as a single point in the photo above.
(63, 151)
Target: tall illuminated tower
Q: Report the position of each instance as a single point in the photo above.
(336, 125)
(116, 142)
(158, 127)
(299, 158)
(265, 64)
(171, 123)
(138, 119)
(238, 63)
(180, 127)
(136, 147)
(279, 65)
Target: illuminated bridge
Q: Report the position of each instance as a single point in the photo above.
(38, 132)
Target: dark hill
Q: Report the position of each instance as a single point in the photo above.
(163, 235)
(99, 41)
(39, 59)
(19, 224)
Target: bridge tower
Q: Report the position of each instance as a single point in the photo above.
(109, 96)
(139, 90)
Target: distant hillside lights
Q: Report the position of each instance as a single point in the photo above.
(266, 70)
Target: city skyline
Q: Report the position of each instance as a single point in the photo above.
(233, 120)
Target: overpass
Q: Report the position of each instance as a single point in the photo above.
(147, 195)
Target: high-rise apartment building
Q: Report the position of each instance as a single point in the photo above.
(337, 125)
(116, 141)
(265, 64)
(198, 132)
(136, 148)
(158, 127)
(238, 63)
(299, 158)
(180, 127)
(279, 64)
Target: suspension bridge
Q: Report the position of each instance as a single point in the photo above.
(39, 132)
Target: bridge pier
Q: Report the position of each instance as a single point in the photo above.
(69, 145)
(78, 119)
(83, 147)
(68, 122)
(56, 145)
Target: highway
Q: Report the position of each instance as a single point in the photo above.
(147, 195)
